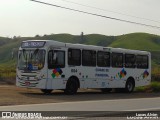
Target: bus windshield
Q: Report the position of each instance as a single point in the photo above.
(31, 60)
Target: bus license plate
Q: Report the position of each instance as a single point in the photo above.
(27, 83)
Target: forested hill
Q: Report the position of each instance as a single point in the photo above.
(140, 41)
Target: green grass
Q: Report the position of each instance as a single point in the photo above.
(7, 76)
(59, 37)
(140, 41)
(100, 40)
(153, 87)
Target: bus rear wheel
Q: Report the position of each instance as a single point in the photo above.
(71, 87)
(46, 91)
(129, 86)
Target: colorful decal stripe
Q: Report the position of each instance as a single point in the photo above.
(56, 72)
(121, 74)
(145, 74)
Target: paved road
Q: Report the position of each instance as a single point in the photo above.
(139, 104)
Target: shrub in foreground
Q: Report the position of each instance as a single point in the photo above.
(153, 87)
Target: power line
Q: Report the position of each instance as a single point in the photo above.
(122, 20)
(93, 7)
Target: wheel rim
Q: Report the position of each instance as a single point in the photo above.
(130, 86)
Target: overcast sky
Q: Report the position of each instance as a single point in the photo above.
(27, 18)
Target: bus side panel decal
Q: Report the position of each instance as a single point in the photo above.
(56, 72)
(121, 74)
(145, 74)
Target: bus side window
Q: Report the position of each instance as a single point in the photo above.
(130, 61)
(88, 58)
(74, 57)
(50, 59)
(145, 62)
(103, 59)
(117, 60)
(142, 61)
(56, 59)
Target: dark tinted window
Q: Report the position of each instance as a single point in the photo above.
(142, 61)
(74, 57)
(103, 59)
(88, 58)
(117, 60)
(130, 61)
(56, 59)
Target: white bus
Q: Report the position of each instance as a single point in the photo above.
(49, 65)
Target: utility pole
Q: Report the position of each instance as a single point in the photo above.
(82, 36)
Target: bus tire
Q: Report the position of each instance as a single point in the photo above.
(46, 91)
(71, 87)
(106, 90)
(129, 86)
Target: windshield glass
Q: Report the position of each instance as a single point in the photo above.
(31, 59)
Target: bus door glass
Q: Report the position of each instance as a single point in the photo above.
(56, 59)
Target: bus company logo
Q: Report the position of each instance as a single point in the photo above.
(6, 115)
(56, 72)
(145, 74)
(121, 74)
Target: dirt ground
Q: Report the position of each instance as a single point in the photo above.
(12, 95)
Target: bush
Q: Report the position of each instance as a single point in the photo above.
(7, 76)
(153, 87)
(140, 89)
(156, 77)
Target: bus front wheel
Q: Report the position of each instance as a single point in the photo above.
(71, 87)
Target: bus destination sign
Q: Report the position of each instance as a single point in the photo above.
(33, 44)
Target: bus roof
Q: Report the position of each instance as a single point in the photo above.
(53, 43)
